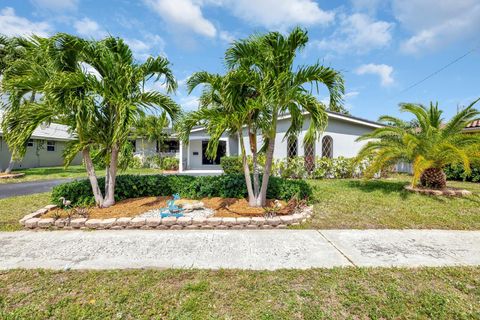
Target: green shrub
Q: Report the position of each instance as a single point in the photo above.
(169, 163)
(325, 168)
(456, 172)
(134, 186)
(231, 165)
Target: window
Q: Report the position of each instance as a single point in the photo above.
(327, 147)
(292, 147)
(309, 151)
(50, 145)
(221, 152)
(30, 143)
(169, 146)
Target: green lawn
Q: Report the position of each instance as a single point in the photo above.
(48, 173)
(341, 204)
(358, 204)
(342, 293)
(13, 209)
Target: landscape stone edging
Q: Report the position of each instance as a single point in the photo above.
(437, 192)
(34, 221)
(12, 175)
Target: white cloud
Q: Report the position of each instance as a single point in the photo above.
(183, 13)
(351, 95)
(434, 23)
(279, 14)
(89, 28)
(189, 103)
(56, 5)
(150, 45)
(13, 25)
(226, 36)
(382, 70)
(358, 33)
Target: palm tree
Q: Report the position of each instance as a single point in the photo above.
(269, 61)
(227, 105)
(152, 128)
(15, 54)
(428, 143)
(97, 89)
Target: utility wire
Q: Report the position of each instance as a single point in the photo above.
(440, 70)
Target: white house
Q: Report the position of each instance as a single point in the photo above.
(338, 139)
(44, 149)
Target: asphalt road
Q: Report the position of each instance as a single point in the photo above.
(238, 249)
(24, 188)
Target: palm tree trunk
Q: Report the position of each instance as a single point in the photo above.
(97, 193)
(262, 197)
(107, 177)
(246, 171)
(11, 164)
(112, 175)
(434, 178)
(253, 149)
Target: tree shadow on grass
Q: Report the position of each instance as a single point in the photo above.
(380, 185)
(389, 187)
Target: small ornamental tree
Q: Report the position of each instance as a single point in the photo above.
(428, 143)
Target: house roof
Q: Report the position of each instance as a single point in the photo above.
(474, 125)
(53, 131)
(331, 114)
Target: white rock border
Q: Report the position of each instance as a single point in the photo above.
(34, 221)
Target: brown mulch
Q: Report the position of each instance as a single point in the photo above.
(224, 207)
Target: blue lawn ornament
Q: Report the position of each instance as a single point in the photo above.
(172, 210)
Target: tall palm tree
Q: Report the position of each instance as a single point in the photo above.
(283, 89)
(229, 106)
(428, 143)
(97, 89)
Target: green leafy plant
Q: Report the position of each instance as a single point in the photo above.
(134, 186)
(231, 165)
(429, 143)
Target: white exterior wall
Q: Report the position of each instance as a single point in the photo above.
(344, 133)
(37, 156)
(194, 162)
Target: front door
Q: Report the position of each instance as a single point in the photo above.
(221, 152)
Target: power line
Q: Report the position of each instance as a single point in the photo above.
(440, 70)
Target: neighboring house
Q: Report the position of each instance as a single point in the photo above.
(169, 147)
(337, 140)
(473, 127)
(44, 149)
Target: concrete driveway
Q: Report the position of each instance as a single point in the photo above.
(238, 249)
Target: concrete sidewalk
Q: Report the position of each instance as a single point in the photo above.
(252, 249)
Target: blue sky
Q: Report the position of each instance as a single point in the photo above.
(381, 46)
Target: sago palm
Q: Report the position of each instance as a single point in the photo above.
(429, 144)
(283, 89)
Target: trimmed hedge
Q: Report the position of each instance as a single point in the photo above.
(135, 186)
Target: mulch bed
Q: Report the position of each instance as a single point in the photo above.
(223, 207)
